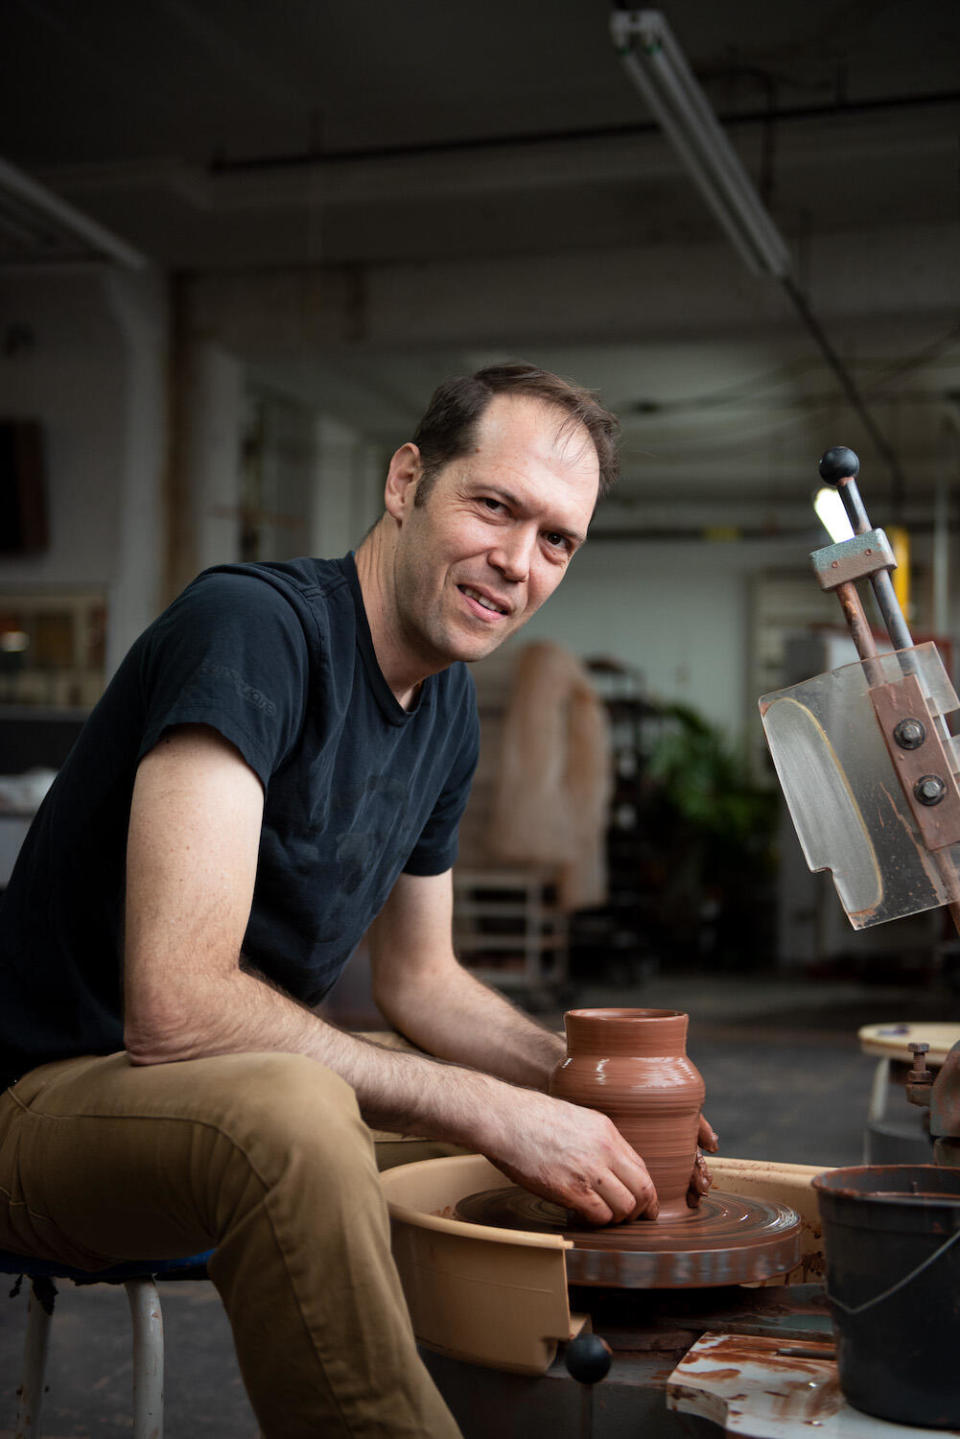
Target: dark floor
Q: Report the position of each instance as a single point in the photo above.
(785, 1081)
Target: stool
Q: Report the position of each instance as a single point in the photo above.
(900, 1138)
(138, 1279)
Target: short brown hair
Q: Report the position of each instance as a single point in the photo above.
(449, 427)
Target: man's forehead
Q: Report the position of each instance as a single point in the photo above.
(537, 424)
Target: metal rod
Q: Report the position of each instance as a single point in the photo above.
(897, 627)
(857, 622)
(852, 501)
(887, 602)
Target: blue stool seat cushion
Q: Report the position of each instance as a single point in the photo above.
(195, 1267)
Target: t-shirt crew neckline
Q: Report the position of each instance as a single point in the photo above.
(392, 708)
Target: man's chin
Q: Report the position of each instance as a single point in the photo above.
(484, 645)
(472, 642)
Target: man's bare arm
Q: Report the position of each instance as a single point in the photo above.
(191, 864)
(427, 995)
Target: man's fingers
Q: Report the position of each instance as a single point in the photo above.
(645, 1204)
(591, 1208)
(702, 1178)
(634, 1179)
(700, 1181)
(636, 1199)
(707, 1137)
(608, 1200)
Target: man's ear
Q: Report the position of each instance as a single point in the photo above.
(403, 476)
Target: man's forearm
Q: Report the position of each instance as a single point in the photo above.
(404, 1092)
(449, 1013)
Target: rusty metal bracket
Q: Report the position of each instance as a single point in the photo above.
(860, 558)
(920, 759)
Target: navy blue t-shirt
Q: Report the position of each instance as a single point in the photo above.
(278, 658)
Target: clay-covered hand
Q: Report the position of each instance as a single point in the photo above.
(574, 1156)
(701, 1179)
(707, 1136)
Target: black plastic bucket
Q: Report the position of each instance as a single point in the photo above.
(892, 1237)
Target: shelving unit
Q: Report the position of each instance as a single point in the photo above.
(508, 929)
(619, 938)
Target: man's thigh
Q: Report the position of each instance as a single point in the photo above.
(102, 1160)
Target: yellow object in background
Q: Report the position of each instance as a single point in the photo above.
(899, 538)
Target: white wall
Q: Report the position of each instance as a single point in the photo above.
(675, 610)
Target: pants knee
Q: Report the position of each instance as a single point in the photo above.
(286, 1109)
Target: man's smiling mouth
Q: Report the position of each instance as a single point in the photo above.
(483, 600)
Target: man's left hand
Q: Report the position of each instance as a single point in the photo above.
(701, 1179)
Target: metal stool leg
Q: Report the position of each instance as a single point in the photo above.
(878, 1102)
(34, 1368)
(147, 1358)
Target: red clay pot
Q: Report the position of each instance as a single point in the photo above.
(632, 1065)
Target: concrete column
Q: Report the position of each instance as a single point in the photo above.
(211, 385)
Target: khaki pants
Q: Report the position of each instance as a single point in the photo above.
(263, 1157)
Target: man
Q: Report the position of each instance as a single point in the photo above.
(279, 765)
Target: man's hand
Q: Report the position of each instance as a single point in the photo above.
(573, 1155)
(701, 1178)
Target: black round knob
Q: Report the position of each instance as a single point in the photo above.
(930, 789)
(839, 464)
(587, 1359)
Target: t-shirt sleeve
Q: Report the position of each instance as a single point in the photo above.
(436, 849)
(230, 653)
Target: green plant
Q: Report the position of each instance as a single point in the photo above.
(708, 782)
(711, 829)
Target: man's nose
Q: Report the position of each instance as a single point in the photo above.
(512, 556)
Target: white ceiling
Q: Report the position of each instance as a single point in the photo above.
(492, 166)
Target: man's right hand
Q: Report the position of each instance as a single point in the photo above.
(574, 1156)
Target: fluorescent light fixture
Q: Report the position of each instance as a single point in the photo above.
(37, 227)
(832, 515)
(656, 65)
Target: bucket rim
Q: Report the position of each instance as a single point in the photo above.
(925, 1177)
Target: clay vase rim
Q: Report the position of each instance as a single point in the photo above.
(641, 1033)
(606, 1016)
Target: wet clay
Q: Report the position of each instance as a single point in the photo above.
(632, 1065)
(729, 1219)
(727, 1239)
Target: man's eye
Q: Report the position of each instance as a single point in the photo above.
(491, 503)
(555, 541)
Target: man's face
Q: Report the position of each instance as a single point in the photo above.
(495, 534)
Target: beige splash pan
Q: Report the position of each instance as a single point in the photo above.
(499, 1297)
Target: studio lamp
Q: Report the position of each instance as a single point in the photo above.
(832, 515)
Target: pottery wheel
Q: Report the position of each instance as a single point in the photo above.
(727, 1239)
